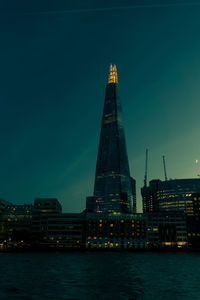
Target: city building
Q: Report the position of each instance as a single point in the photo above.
(47, 205)
(15, 225)
(114, 189)
(193, 221)
(166, 229)
(115, 231)
(3, 205)
(169, 195)
(17, 213)
(53, 229)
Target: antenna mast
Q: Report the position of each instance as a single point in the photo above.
(164, 165)
(146, 165)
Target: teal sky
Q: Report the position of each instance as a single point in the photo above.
(54, 66)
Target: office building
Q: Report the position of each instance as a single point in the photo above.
(114, 189)
(53, 229)
(166, 229)
(169, 195)
(193, 221)
(15, 225)
(115, 231)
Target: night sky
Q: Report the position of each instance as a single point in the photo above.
(53, 71)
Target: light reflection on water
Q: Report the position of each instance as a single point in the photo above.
(99, 276)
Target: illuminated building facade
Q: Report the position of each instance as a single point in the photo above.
(193, 221)
(169, 195)
(15, 225)
(115, 231)
(166, 229)
(17, 213)
(114, 189)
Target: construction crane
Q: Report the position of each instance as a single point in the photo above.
(146, 165)
(164, 165)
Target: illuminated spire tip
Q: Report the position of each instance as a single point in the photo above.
(112, 77)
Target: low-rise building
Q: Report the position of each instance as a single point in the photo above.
(15, 226)
(193, 221)
(166, 229)
(115, 231)
(53, 229)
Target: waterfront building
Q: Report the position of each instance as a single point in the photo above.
(15, 225)
(115, 231)
(169, 195)
(193, 221)
(53, 229)
(17, 213)
(3, 205)
(166, 229)
(47, 205)
(114, 189)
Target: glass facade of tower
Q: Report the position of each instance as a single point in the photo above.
(170, 195)
(114, 189)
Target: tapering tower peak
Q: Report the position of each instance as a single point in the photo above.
(114, 189)
(112, 77)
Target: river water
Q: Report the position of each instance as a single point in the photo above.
(108, 275)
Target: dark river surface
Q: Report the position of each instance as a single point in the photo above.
(121, 275)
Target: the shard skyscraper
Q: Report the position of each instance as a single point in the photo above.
(114, 189)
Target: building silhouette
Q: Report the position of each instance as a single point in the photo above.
(114, 189)
(53, 229)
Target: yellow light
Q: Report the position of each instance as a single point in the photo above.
(181, 243)
(112, 77)
(167, 243)
(155, 229)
